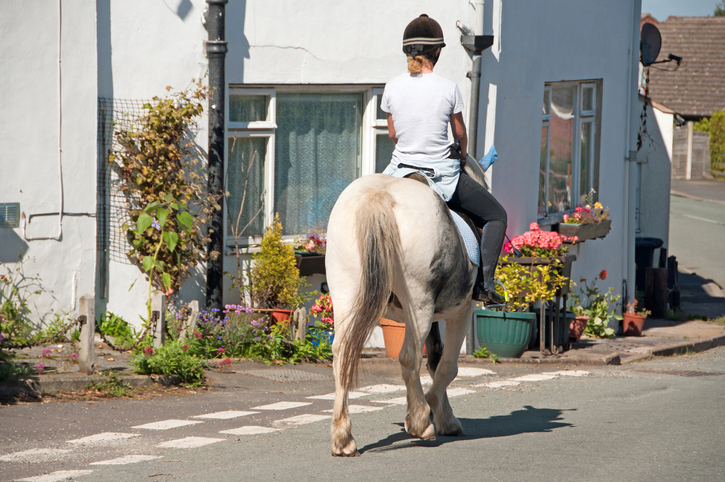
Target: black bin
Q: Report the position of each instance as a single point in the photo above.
(644, 253)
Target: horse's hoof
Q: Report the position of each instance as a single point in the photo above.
(429, 433)
(343, 454)
(455, 432)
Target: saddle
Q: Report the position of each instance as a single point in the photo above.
(470, 233)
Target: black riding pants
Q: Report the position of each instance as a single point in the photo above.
(476, 202)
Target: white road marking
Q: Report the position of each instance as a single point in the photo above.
(128, 459)
(534, 378)
(383, 388)
(282, 406)
(426, 380)
(393, 401)
(42, 454)
(712, 221)
(251, 430)
(457, 392)
(301, 420)
(501, 384)
(105, 437)
(569, 373)
(226, 415)
(465, 372)
(167, 424)
(189, 442)
(331, 396)
(57, 476)
(359, 409)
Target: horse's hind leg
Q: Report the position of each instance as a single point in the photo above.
(445, 373)
(343, 443)
(418, 422)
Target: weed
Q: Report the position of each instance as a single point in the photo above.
(171, 359)
(113, 386)
(483, 352)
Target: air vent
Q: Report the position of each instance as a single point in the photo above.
(9, 215)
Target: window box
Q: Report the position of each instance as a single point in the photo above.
(310, 263)
(584, 231)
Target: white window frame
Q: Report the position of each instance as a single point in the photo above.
(371, 128)
(581, 117)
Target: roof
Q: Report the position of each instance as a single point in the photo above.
(697, 87)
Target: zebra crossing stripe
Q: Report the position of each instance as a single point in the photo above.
(534, 378)
(57, 476)
(33, 455)
(128, 459)
(331, 396)
(167, 424)
(105, 437)
(393, 401)
(457, 392)
(226, 415)
(501, 384)
(251, 430)
(382, 388)
(282, 406)
(300, 420)
(358, 409)
(189, 442)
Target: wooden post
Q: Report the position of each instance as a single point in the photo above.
(190, 322)
(158, 312)
(299, 322)
(655, 291)
(87, 355)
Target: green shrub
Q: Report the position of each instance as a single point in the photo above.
(174, 358)
(115, 326)
(275, 277)
(717, 143)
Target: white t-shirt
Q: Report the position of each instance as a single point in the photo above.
(421, 105)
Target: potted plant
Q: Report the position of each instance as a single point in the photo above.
(310, 252)
(592, 310)
(633, 320)
(507, 333)
(590, 221)
(275, 278)
(324, 329)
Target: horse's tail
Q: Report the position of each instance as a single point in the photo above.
(378, 240)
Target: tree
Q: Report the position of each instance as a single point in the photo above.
(720, 9)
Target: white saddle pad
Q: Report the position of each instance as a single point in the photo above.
(469, 239)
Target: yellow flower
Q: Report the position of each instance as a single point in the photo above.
(598, 205)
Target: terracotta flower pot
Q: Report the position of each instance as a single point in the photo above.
(577, 325)
(633, 324)
(279, 315)
(393, 335)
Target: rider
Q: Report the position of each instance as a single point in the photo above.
(419, 106)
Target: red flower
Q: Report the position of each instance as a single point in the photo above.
(603, 275)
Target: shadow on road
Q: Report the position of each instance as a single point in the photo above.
(528, 420)
(700, 296)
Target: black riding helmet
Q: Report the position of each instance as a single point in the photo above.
(422, 36)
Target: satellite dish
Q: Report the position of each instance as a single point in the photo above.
(649, 44)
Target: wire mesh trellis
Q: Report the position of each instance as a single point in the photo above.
(113, 204)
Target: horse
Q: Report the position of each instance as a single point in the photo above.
(393, 251)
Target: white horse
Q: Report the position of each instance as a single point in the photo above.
(393, 250)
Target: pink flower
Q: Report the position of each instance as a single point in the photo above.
(220, 351)
(148, 351)
(40, 367)
(534, 226)
(185, 347)
(310, 246)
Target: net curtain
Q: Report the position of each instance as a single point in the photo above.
(318, 144)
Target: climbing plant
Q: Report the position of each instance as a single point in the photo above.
(163, 175)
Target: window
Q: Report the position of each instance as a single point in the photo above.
(295, 151)
(569, 161)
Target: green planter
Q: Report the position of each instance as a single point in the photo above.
(503, 333)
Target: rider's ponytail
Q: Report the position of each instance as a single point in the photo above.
(415, 64)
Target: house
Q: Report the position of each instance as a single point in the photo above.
(557, 98)
(695, 89)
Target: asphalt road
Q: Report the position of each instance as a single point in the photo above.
(657, 420)
(697, 239)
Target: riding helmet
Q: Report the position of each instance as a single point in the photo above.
(423, 35)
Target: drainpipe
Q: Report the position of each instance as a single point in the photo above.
(475, 45)
(216, 50)
(631, 178)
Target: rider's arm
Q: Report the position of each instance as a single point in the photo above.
(391, 129)
(458, 127)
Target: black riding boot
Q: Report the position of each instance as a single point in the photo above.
(491, 242)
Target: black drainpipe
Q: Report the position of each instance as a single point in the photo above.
(216, 50)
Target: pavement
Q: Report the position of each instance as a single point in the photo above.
(706, 190)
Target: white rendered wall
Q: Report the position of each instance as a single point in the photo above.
(655, 180)
(30, 163)
(558, 40)
(143, 48)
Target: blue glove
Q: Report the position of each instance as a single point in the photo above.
(487, 160)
